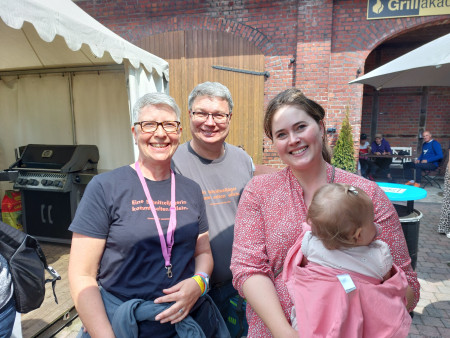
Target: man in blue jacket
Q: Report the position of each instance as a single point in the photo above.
(429, 159)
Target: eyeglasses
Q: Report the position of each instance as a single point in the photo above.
(152, 126)
(217, 117)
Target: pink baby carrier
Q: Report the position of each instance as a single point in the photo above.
(324, 309)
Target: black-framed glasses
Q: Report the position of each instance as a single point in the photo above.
(217, 117)
(152, 126)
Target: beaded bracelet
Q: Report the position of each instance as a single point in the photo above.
(201, 282)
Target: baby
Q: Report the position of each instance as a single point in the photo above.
(343, 233)
(339, 275)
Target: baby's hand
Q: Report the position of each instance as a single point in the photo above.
(387, 276)
(304, 262)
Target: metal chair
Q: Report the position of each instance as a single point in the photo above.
(432, 176)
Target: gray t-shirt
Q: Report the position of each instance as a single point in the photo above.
(222, 181)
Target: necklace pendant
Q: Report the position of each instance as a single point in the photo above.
(169, 271)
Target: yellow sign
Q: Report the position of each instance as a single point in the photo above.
(382, 9)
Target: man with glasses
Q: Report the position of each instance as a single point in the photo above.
(222, 171)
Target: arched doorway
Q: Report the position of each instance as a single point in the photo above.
(402, 114)
(201, 55)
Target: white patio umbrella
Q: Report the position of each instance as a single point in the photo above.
(428, 65)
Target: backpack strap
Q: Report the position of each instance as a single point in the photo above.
(55, 275)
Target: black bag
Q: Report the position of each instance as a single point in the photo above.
(27, 265)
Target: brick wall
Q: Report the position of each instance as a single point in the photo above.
(399, 108)
(399, 114)
(329, 40)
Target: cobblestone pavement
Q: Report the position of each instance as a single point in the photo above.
(432, 314)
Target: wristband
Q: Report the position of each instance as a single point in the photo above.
(200, 282)
(205, 278)
(206, 285)
(205, 275)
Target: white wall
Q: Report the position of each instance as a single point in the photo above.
(36, 109)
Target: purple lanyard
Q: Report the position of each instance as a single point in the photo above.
(165, 248)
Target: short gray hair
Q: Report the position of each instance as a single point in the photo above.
(153, 99)
(211, 89)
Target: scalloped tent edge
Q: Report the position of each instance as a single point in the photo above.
(51, 18)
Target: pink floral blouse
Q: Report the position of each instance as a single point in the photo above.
(269, 220)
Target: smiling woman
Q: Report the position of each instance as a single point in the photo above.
(273, 208)
(297, 137)
(132, 244)
(157, 134)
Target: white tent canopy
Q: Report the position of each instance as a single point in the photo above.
(90, 42)
(60, 82)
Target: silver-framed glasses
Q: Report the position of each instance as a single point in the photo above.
(217, 117)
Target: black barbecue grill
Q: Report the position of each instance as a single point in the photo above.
(52, 179)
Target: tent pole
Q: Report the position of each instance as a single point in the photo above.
(72, 113)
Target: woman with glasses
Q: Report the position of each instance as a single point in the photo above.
(140, 258)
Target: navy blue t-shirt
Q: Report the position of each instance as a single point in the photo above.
(114, 208)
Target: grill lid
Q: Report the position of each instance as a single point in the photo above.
(62, 158)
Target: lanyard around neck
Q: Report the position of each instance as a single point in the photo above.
(165, 248)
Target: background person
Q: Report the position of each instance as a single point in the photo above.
(273, 208)
(222, 171)
(342, 242)
(381, 147)
(7, 308)
(122, 237)
(364, 150)
(444, 220)
(429, 159)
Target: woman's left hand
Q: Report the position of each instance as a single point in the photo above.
(184, 294)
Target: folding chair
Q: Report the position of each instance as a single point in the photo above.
(432, 176)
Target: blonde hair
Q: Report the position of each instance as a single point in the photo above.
(337, 210)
